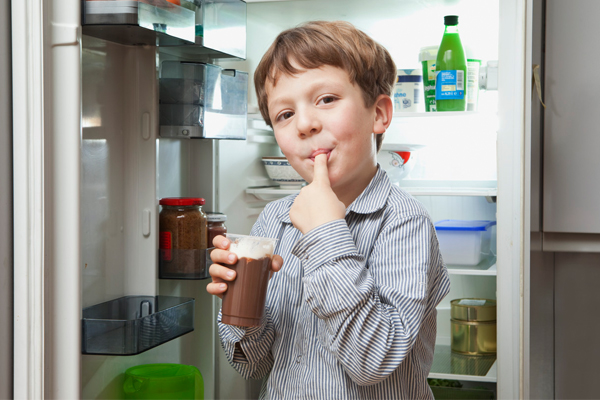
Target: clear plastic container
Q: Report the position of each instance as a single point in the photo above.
(202, 100)
(133, 324)
(464, 242)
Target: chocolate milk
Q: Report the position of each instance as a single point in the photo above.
(244, 300)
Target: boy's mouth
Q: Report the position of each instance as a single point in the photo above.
(315, 153)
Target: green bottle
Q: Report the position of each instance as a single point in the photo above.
(451, 69)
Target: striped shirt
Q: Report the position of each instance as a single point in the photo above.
(351, 314)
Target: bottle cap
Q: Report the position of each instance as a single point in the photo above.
(451, 20)
(215, 217)
(181, 201)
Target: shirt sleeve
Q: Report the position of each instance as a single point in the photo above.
(369, 313)
(248, 350)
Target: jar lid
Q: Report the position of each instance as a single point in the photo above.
(216, 217)
(181, 201)
(473, 309)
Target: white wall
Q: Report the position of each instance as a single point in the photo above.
(6, 262)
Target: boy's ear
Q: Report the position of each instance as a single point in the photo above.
(384, 108)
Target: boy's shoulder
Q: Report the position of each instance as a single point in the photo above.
(402, 203)
(278, 211)
(382, 195)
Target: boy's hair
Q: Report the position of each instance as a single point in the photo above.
(338, 44)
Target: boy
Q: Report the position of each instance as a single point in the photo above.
(351, 313)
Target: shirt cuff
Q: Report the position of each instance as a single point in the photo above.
(234, 333)
(324, 244)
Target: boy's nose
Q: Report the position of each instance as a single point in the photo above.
(308, 124)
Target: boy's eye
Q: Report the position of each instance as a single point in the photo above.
(328, 99)
(284, 116)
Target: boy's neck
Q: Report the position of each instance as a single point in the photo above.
(349, 193)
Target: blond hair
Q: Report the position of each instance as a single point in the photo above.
(338, 44)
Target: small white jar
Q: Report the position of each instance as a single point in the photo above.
(407, 94)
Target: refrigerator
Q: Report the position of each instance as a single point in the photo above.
(564, 220)
(90, 165)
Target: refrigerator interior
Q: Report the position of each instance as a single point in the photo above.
(124, 175)
(459, 152)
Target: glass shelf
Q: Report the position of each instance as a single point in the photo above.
(269, 193)
(449, 365)
(487, 267)
(133, 324)
(449, 188)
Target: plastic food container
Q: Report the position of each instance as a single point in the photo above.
(183, 231)
(464, 242)
(163, 381)
(473, 326)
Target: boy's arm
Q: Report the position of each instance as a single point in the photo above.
(249, 349)
(370, 318)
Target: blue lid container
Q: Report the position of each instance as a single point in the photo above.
(463, 225)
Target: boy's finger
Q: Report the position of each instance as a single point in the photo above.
(320, 172)
(221, 242)
(223, 256)
(221, 273)
(277, 263)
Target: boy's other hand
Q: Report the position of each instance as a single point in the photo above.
(317, 204)
(220, 274)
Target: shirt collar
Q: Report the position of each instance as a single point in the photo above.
(372, 199)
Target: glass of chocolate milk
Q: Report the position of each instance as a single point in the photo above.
(244, 300)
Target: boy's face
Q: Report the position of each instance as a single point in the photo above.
(320, 111)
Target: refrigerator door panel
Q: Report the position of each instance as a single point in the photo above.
(6, 215)
(571, 138)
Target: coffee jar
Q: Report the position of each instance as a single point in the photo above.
(215, 226)
(183, 238)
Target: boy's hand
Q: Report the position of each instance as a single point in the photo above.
(317, 204)
(220, 274)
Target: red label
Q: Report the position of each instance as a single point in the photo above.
(404, 154)
(165, 245)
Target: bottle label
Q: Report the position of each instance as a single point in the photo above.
(165, 245)
(450, 84)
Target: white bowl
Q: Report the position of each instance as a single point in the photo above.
(397, 164)
(281, 172)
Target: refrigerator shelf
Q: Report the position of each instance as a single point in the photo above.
(133, 324)
(450, 188)
(274, 192)
(270, 193)
(449, 365)
(487, 267)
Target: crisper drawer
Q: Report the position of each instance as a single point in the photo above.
(199, 100)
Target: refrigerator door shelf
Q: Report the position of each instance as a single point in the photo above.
(133, 324)
(184, 263)
(135, 23)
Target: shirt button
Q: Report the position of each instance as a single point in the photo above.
(298, 359)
